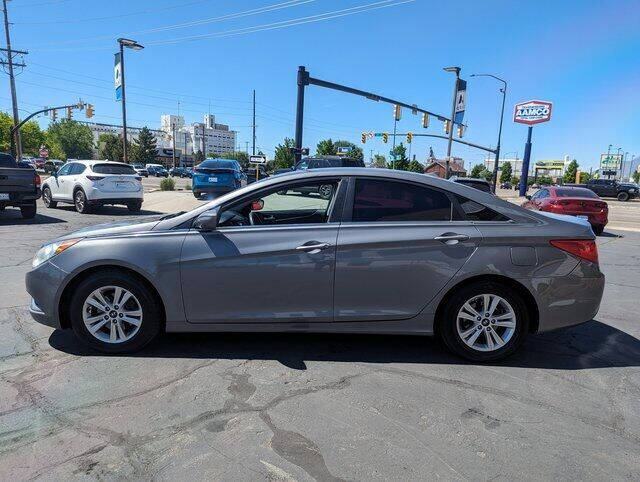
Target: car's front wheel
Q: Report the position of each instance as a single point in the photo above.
(114, 313)
(484, 321)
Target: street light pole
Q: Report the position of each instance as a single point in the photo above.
(132, 44)
(456, 70)
(504, 96)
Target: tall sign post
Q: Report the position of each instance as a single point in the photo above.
(530, 113)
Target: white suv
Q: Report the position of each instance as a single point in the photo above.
(93, 183)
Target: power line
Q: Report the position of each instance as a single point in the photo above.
(260, 28)
(191, 23)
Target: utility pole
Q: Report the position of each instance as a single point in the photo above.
(246, 149)
(12, 82)
(204, 154)
(393, 149)
(173, 143)
(253, 150)
(456, 70)
(130, 44)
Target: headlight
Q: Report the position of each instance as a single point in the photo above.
(48, 251)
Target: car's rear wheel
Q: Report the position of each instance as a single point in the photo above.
(47, 198)
(134, 206)
(80, 202)
(623, 196)
(484, 321)
(196, 194)
(28, 211)
(114, 313)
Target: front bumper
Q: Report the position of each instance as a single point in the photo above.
(44, 285)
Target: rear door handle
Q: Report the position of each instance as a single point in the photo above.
(311, 248)
(451, 238)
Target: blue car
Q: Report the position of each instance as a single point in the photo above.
(216, 176)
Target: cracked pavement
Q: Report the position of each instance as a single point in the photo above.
(316, 407)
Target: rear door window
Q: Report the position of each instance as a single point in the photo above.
(113, 169)
(381, 200)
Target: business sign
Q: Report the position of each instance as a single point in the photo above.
(258, 159)
(117, 76)
(461, 101)
(532, 112)
(44, 152)
(343, 151)
(610, 161)
(549, 165)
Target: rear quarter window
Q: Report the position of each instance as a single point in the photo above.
(112, 169)
(474, 211)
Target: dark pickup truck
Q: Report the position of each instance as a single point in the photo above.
(19, 186)
(623, 191)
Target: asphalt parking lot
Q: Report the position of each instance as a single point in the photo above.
(323, 407)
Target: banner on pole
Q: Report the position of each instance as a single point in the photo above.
(117, 76)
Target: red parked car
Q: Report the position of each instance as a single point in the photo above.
(574, 201)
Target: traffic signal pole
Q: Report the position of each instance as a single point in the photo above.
(525, 164)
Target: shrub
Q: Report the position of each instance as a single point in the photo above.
(188, 187)
(167, 184)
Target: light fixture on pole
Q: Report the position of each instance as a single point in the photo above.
(130, 44)
(455, 70)
(504, 95)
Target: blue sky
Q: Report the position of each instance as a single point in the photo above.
(581, 55)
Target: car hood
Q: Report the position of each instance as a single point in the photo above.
(143, 224)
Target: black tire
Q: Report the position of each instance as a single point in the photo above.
(196, 194)
(28, 211)
(134, 206)
(46, 198)
(447, 325)
(151, 313)
(80, 202)
(325, 191)
(623, 196)
(598, 229)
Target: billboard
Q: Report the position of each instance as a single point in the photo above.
(549, 165)
(532, 112)
(610, 161)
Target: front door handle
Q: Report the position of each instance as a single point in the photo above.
(313, 248)
(451, 238)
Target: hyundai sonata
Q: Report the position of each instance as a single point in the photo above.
(386, 252)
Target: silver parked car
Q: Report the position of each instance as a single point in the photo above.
(387, 252)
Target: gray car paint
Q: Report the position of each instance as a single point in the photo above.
(182, 265)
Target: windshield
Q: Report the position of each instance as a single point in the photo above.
(113, 169)
(7, 161)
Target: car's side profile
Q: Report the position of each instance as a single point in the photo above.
(388, 252)
(88, 184)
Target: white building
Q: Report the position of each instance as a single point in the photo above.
(98, 129)
(516, 165)
(218, 138)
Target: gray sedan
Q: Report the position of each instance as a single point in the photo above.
(386, 252)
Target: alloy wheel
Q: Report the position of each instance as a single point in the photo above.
(80, 200)
(112, 314)
(486, 322)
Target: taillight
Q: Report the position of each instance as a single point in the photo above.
(95, 178)
(38, 181)
(582, 248)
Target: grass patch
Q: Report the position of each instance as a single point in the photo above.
(167, 184)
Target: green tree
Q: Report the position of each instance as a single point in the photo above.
(75, 139)
(570, 172)
(506, 172)
(379, 161)
(198, 157)
(584, 177)
(240, 156)
(326, 147)
(283, 156)
(354, 152)
(415, 166)
(479, 171)
(144, 147)
(400, 161)
(636, 176)
(110, 147)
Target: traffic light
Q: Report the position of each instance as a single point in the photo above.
(54, 115)
(363, 137)
(460, 130)
(447, 126)
(425, 120)
(69, 113)
(397, 112)
(409, 137)
(89, 112)
(385, 137)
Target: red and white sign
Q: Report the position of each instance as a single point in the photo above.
(44, 152)
(532, 112)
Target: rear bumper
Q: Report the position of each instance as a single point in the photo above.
(21, 198)
(212, 189)
(96, 196)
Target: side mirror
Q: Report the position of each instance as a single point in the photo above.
(54, 173)
(207, 221)
(528, 196)
(257, 205)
